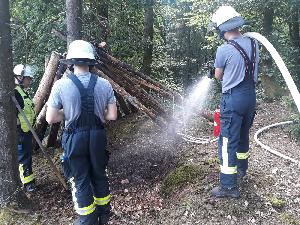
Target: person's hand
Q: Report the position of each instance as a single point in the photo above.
(211, 73)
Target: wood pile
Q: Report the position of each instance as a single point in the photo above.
(134, 92)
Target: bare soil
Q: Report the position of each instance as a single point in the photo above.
(142, 159)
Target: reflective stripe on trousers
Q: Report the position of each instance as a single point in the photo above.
(25, 179)
(237, 113)
(86, 210)
(102, 201)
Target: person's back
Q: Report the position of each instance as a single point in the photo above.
(236, 64)
(229, 58)
(70, 99)
(85, 102)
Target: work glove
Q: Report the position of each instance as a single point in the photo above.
(211, 73)
(209, 66)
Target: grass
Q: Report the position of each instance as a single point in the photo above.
(180, 176)
(289, 219)
(276, 202)
(8, 217)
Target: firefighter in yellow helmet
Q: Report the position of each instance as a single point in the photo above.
(23, 78)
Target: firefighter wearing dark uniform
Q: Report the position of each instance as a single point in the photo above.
(23, 76)
(84, 101)
(236, 64)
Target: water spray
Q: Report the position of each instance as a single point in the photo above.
(191, 105)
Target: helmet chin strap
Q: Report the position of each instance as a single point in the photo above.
(20, 81)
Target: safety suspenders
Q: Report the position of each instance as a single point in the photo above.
(87, 94)
(87, 117)
(249, 64)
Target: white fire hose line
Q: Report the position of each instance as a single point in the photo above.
(197, 140)
(266, 147)
(281, 66)
(290, 83)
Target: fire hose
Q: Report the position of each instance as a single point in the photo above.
(57, 173)
(291, 85)
(267, 147)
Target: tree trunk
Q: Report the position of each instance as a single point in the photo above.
(295, 36)
(102, 14)
(8, 146)
(46, 83)
(188, 71)
(74, 20)
(148, 36)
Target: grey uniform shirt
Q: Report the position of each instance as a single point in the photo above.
(230, 60)
(65, 94)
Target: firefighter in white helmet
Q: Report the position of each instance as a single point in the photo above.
(85, 101)
(236, 64)
(23, 78)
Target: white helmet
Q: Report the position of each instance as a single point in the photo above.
(226, 19)
(23, 70)
(80, 52)
(223, 14)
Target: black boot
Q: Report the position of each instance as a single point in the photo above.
(30, 187)
(104, 213)
(90, 219)
(221, 192)
(241, 173)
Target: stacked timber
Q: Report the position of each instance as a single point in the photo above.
(133, 91)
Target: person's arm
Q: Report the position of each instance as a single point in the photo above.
(54, 115)
(111, 112)
(219, 73)
(19, 99)
(220, 63)
(54, 111)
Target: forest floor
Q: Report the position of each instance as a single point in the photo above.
(157, 178)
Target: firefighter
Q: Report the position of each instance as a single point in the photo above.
(23, 78)
(236, 64)
(84, 101)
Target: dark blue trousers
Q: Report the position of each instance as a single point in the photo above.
(25, 156)
(85, 161)
(237, 114)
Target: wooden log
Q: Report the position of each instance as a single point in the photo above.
(52, 138)
(134, 90)
(123, 104)
(133, 101)
(44, 88)
(40, 126)
(143, 83)
(127, 67)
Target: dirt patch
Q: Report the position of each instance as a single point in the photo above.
(145, 158)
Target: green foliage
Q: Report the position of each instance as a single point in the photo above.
(181, 175)
(181, 42)
(32, 23)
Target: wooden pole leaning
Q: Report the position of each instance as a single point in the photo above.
(61, 179)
